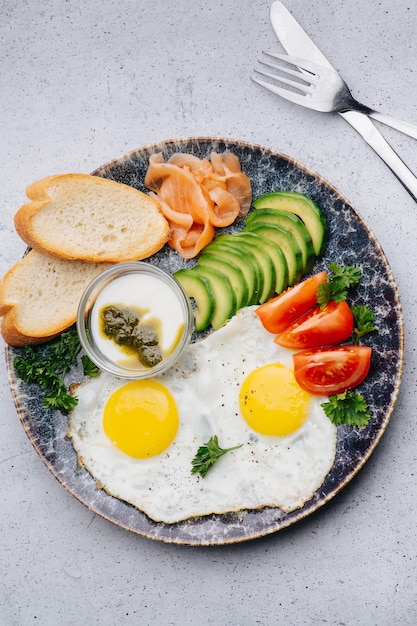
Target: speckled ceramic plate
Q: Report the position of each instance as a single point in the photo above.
(350, 242)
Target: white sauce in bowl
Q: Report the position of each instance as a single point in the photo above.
(154, 299)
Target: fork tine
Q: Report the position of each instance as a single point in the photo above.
(287, 70)
(284, 93)
(302, 76)
(303, 87)
(302, 64)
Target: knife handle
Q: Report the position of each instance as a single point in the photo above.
(403, 127)
(368, 131)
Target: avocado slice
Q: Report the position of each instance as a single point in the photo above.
(273, 251)
(224, 295)
(293, 224)
(200, 291)
(247, 263)
(262, 259)
(304, 207)
(233, 273)
(288, 245)
(231, 257)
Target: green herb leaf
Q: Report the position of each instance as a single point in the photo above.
(349, 408)
(47, 365)
(65, 349)
(339, 280)
(60, 400)
(364, 321)
(89, 368)
(207, 455)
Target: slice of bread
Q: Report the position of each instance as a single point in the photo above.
(85, 217)
(39, 296)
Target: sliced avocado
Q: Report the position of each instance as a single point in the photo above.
(288, 245)
(200, 291)
(230, 256)
(263, 260)
(302, 206)
(233, 273)
(247, 263)
(274, 252)
(294, 225)
(224, 295)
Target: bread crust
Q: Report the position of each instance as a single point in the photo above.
(14, 337)
(85, 217)
(32, 300)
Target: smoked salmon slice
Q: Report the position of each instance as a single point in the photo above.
(196, 195)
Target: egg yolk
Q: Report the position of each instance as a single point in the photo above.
(141, 418)
(271, 401)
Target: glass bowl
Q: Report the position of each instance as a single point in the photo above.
(155, 296)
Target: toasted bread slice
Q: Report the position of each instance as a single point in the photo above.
(39, 296)
(85, 217)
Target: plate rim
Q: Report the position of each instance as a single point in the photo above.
(308, 508)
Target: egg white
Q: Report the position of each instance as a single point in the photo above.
(282, 472)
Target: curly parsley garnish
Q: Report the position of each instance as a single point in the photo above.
(338, 282)
(349, 408)
(89, 368)
(364, 321)
(47, 366)
(207, 455)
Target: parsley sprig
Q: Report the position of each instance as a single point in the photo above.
(207, 455)
(47, 366)
(89, 368)
(364, 322)
(339, 281)
(349, 408)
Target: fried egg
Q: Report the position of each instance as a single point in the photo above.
(138, 439)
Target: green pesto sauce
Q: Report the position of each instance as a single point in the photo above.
(123, 326)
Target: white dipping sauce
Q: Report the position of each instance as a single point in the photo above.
(156, 301)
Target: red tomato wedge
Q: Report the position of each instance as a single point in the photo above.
(277, 314)
(319, 327)
(327, 371)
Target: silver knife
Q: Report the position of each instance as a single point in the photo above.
(296, 42)
(294, 38)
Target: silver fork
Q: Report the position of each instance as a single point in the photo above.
(319, 88)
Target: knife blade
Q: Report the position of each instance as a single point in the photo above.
(293, 37)
(297, 43)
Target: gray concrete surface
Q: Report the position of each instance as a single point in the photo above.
(84, 82)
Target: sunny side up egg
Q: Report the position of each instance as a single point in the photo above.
(219, 383)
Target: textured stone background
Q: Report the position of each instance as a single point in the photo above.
(83, 83)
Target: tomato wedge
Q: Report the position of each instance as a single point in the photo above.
(319, 327)
(327, 371)
(283, 310)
